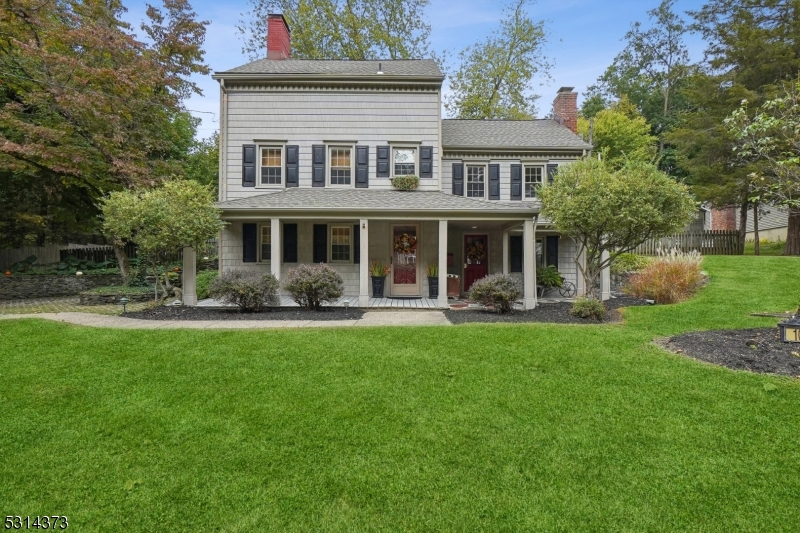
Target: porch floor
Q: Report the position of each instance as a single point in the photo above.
(389, 303)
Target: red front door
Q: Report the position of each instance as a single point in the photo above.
(476, 259)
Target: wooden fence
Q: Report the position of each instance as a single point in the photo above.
(711, 242)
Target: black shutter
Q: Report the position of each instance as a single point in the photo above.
(458, 179)
(362, 167)
(494, 182)
(551, 172)
(249, 165)
(356, 244)
(425, 162)
(290, 243)
(552, 250)
(292, 166)
(249, 243)
(382, 158)
(515, 253)
(318, 165)
(516, 182)
(320, 243)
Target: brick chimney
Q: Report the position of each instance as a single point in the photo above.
(565, 108)
(279, 38)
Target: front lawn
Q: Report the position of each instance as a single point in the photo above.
(464, 428)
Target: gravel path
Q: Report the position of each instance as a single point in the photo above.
(756, 350)
(205, 313)
(554, 313)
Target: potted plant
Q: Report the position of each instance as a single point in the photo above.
(432, 271)
(378, 272)
(547, 278)
(405, 183)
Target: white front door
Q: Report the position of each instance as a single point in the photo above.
(405, 263)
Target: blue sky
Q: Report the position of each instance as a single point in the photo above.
(585, 35)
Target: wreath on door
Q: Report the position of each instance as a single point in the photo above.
(405, 244)
(475, 252)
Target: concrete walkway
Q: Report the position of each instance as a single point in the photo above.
(373, 318)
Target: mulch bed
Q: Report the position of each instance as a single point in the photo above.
(277, 313)
(756, 350)
(555, 313)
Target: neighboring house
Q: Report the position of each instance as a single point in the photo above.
(308, 150)
(773, 222)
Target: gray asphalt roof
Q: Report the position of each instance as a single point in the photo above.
(314, 199)
(543, 133)
(401, 67)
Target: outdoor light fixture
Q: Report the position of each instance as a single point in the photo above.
(790, 329)
(346, 307)
(124, 301)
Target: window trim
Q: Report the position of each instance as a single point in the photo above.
(282, 184)
(485, 167)
(349, 228)
(403, 146)
(540, 166)
(261, 228)
(329, 165)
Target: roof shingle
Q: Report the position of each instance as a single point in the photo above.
(543, 133)
(323, 67)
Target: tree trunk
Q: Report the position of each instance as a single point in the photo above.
(757, 243)
(743, 224)
(793, 233)
(122, 260)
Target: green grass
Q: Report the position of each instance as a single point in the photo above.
(467, 428)
(766, 248)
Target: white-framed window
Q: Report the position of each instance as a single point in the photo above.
(341, 166)
(476, 181)
(341, 244)
(534, 178)
(266, 242)
(404, 161)
(271, 172)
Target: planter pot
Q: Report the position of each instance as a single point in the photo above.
(433, 287)
(377, 286)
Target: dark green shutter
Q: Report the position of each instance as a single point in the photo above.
(515, 253)
(249, 165)
(356, 244)
(290, 243)
(382, 158)
(425, 162)
(458, 179)
(362, 167)
(552, 250)
(516, 182)
(318, 165)
(551, 172)
(292, 166)
(320, 243)
(249, 243)
(494, 182)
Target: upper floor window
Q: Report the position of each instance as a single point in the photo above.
(405, 161)
(341, 243)
(341, 166)
(533, 181)
(476, 181)
(266, 242)
(271, 165)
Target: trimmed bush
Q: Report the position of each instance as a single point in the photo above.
(313, 285)
(204, 280)
(624, 263)
(499, 291)
(672, 277)
(250, 291)
(588, 308)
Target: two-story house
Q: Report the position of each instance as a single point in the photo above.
(308, 150)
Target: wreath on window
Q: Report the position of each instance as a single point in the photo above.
(405, 244)
(475, 252)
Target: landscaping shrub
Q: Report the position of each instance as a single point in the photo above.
(672, 277)
(588, 308)
(204, 280)
(624, 263)
(312, 285)
(499, 291)
(405, 183)
(250, 291)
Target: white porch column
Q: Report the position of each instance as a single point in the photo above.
(189, 276)
(441, 301)
(275, 247)
(363, 267)
(529, 264)
(605, 279)
(505, 251)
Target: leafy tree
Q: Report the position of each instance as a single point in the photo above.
(613, 211)
(494, 77)
(592, 105)
(163, 219)
(771, 137)
(202, 162)
(341, 29)
(620, 134)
